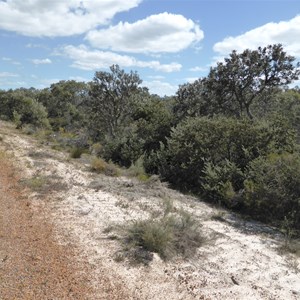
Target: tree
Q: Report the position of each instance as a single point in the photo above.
(21, 105)
(235, 85)
(287, 104)
(112, 96)
(190, 101)
(64, 102)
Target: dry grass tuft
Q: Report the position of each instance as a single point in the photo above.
(99, 165)
(168, 236)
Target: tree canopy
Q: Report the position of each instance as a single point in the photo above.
(112, 94)
(235, 84)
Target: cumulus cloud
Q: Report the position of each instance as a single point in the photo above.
(41, 61)
(285, 32)
(86, 59)
(163, 32)
(160, 88)
(58, 18)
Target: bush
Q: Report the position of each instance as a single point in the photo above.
(123, 150)
(272, 189)
(29, 111)
(198, 140)
(219, 182)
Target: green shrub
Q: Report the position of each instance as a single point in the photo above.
(198, 140)
(272, 189)
(29, 111)
(123, 150)
(219, 182)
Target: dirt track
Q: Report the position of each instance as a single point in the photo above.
(32, 264)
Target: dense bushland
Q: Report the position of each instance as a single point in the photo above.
(231, 137)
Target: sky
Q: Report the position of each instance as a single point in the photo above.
(168, 42)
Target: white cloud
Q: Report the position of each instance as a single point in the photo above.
(156, 77)
(198, 69)
(86, 59)
(32, 46)
(41, 61)
(10, 60)
(160, 88)
(163, 32)
(191, 79)
(79, 78)
(58, 18)
(285, 32)
(8, 74)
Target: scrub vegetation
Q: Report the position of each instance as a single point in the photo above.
(232, 137)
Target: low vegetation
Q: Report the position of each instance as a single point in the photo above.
(232, 137)
(99, 165)
(44, 184)
(169, 235)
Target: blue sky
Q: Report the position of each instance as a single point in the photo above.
(168, 42)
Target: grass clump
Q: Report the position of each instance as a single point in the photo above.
(168, 236)
(137, 170)
(45, 184)
(36, 183)
(151, 235)
(99, 165)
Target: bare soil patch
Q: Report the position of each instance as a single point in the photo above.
(32, 264)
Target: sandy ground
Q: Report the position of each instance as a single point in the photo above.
(241, 260)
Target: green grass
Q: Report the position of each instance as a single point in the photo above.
(168, 236)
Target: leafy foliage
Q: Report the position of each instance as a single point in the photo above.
(196, 141)
(65, 104)
(111, 102)
(235, 85)
(272, 188)
(22, 107)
